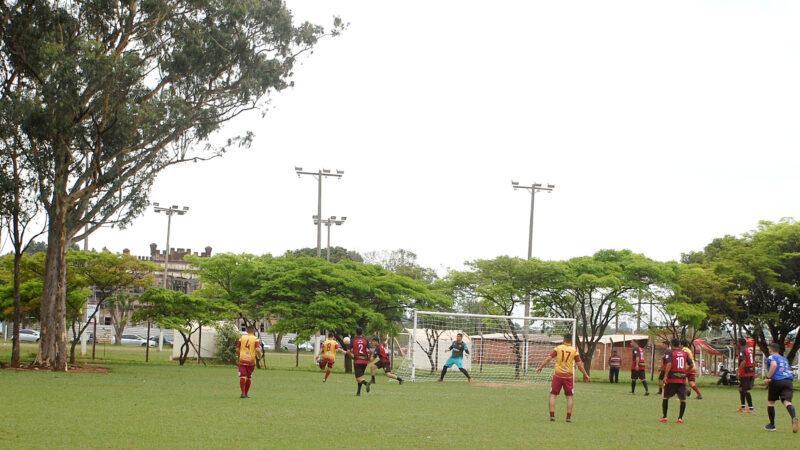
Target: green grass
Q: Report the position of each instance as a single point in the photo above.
(162, 405)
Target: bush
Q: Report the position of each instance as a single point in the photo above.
(227, 337)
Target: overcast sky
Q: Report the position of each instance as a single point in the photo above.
(663, 124)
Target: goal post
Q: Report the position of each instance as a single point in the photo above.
(502, 349)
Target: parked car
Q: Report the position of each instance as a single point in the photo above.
(135, 339)
(26, 335)
(291, 346)
(167, 340)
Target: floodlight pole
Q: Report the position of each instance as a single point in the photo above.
(319, 175)
(533, 188)
(328, 222)
(174, 209)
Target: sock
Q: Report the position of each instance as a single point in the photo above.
(359, 388)
(664, 406)
(741, 397)
(247, 386)
(328, 372)
(749, 399)
(696, 389)
(444, 371)
(464, 371)
(241, 385)
(644, 383)
(569, 415)
(683, 408)
(552, 413)
(633, 386)
(790, 408)
(373, 380)
(771, 414)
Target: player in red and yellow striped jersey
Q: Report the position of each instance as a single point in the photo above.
(327, 354)
(249, 350)
(565, 356)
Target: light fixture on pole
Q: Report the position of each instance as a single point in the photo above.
(533, 188)
(169, 211)
(332, 220)
(319, 174)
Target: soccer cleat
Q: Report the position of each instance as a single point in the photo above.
(552, 419)
(569, 419)
(367, 387)
(699, 397)
(243, 396)
(440, 380)
(399, 380)
(770, 427)
(741, 409)
(680, 421)
(646, 394)
(751, 410)
(632, 393)
(324, 380)
(358, 394)
(795, 425)
(688, 394)
(663, 420)
(469, 380)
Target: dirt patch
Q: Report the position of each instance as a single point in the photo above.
(501, 385)
(88, 368)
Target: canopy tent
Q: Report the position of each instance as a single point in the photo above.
(706, 347)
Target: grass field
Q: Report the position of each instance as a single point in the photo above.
(163, 405)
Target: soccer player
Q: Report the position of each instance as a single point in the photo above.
(327, 355)
(661, 373)
(359, 349)
(779, 382)
(249, 349)
(614, 363)
(459, 347)
(565, 354)
(676, 363)
(638, 369)
(746, 373)
(381, 353)
(691, 374)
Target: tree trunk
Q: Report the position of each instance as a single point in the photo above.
(53, 343)
(17, 311)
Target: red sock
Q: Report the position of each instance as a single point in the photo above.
(696, 389)
(247, 387)
(569, 415)
(242, 385)
(552, 413)
(327, 373)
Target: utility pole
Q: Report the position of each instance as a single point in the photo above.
(320, 174)
(174, 209)
(533, 189)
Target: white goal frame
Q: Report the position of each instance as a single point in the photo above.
(526, 320)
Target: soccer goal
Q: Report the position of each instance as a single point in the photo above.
(502, 349)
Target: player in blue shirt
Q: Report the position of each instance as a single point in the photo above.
(779, 380)
(459, 347)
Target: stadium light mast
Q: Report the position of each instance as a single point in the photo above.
(320, 174)
(169, 211)
(332, 220)
(533, 189)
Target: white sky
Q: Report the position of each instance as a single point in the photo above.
(663, 124)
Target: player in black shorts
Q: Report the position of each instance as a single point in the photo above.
(359, 350)
(381, 353)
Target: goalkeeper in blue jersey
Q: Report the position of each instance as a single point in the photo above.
(459, 347)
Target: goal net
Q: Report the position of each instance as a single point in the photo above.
(502, 349)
